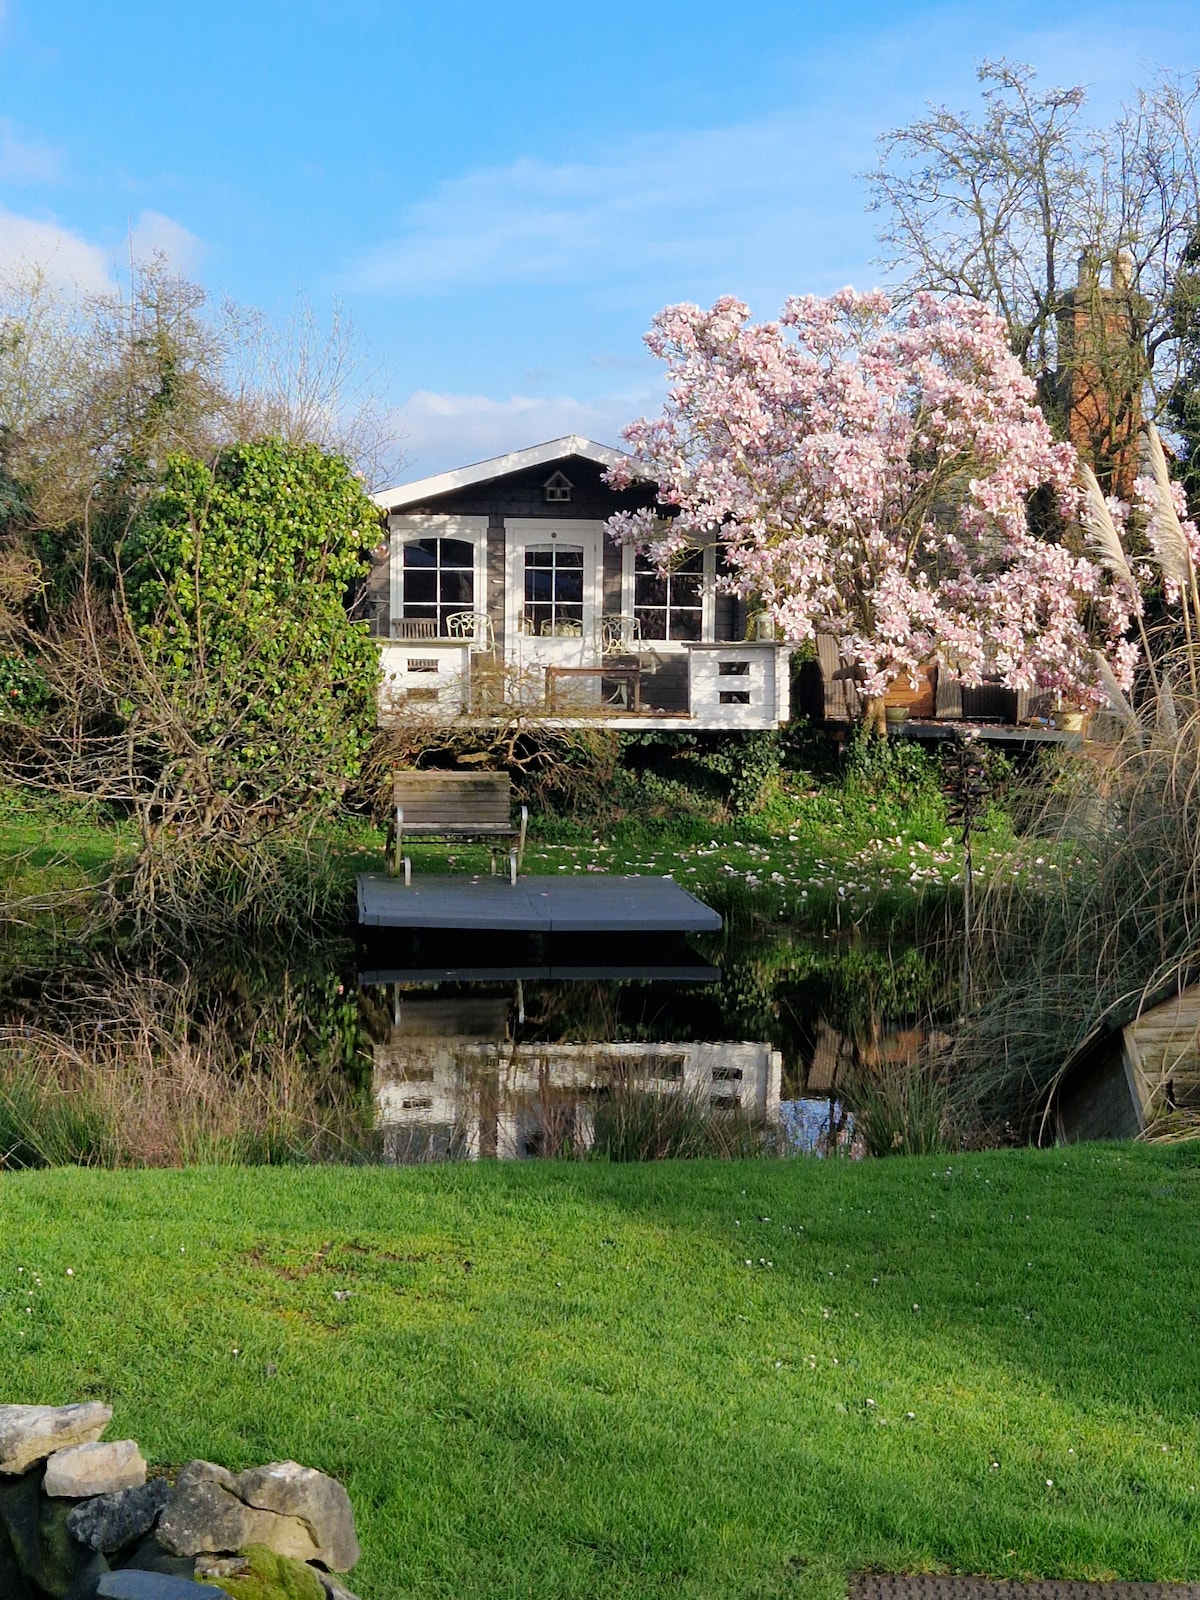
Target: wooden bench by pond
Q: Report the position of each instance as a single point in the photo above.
(455, 805)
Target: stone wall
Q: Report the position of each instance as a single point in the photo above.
(80, 1518)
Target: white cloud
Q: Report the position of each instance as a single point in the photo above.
(26, 160)
(767, 204)
(155, 234)
(66, 259)
(75, 263)
(696, 201)
(436, 432)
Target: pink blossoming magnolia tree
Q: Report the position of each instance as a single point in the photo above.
(869, 478)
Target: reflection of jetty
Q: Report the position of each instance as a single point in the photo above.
(592, 904)
(450, 1083)
(458, 955)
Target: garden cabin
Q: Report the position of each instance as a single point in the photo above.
(497, 583)
(1132, 1073)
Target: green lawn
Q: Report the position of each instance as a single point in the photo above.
(865, 851)
(689, 1380)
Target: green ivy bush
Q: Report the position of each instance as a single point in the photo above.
(236, 579)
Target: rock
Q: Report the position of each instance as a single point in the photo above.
(149, 1556)
(333, 1589)
(111, 1521)
(205, 1515)
(222, 1567)
(319, 1501)
(88, 1572)
(127, 1585)
(263, 1575)
(14, 1585)
(59, 1557)
(34, 1530)
(84, 1470)
(20, 1506)
(28, 1434)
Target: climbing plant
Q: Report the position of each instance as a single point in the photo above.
(235, 580)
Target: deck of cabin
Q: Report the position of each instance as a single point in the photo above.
(937, 707)
(719, 684)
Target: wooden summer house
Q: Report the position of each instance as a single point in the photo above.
(498, 581)
(935, 706)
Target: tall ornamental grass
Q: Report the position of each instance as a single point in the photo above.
(1096, 915)
(146, 1077)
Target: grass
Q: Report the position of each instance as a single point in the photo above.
(868, 849)
(814, 856)
(695, 1379)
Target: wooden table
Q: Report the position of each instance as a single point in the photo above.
(623, 674)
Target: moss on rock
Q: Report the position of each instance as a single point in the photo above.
(271, 1577)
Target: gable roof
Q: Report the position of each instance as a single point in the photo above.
(571, 444)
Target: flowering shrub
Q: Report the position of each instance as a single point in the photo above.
(870, 478)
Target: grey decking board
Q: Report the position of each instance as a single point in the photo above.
(886, 1586)
(536, 905)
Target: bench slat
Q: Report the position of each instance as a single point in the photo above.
(454, 802)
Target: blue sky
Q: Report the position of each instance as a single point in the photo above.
(500, 195)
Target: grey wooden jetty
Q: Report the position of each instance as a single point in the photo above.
(592, 904)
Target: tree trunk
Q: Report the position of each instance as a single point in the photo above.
(874, 718)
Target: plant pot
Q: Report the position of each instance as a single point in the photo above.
(1069, 721)
(895, 716)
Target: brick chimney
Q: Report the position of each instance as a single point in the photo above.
(1102, 367)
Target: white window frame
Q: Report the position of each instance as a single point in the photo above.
(708, 601)
(523, 531)
(407, 530)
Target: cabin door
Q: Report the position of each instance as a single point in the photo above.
(553, 601)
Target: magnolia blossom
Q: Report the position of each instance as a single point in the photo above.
(869, 477)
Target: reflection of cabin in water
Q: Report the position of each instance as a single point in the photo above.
(500, 579)
(1133, 1072)
(449, 1081)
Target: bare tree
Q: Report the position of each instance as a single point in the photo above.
(96, 392)
(1022, 206)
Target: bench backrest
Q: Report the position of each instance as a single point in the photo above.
(841, 701)
(454, 800)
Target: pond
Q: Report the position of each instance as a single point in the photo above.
(430, 1048)
(657, 1047)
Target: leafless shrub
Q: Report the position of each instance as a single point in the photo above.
(209, 847)
(554, 765)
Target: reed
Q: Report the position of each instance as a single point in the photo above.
(636, 1124)
(903, 1108)
(146, 1075)
(1098, 909)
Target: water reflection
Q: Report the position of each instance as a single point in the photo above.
(454, 1079)
(454, 1048)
